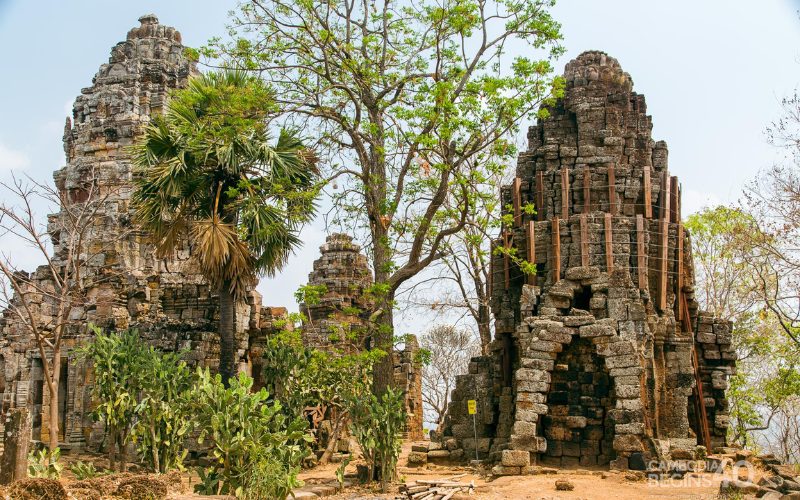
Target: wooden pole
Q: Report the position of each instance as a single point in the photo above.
(699, 392)
(674, 200)
(648, 194)
(565, 193)
(641, 262)
(506, 263)
(663, 268)
(556, 231)
(532, 249)
(584, 241)
(609, 243)
(539, 196)
(679, 277)
(612, 190)
(587, 190)
(517, 201)
(665, 197)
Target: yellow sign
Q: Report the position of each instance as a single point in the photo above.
(471, 406)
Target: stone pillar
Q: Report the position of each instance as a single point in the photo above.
(16, 440)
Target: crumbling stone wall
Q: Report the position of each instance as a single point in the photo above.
(612, 299)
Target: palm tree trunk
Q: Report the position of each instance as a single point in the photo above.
(227, 333)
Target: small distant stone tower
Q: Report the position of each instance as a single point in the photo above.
(602, 357)
(339, 319)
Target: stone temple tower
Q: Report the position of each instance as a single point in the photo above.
(602, 357)
(168, 301)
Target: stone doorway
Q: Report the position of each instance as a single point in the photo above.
(578, 425)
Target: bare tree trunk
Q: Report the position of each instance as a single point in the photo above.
(123, 454)
(53, 380)
(227, 333)
(383, 371)
(334, 439)
(112, 447)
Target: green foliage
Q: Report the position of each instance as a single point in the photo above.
(340, 470)
(310, 294)
(208, 170)
(299, 376)
(84, 470)
(163, 413)
(115, 359)
(377, 424)
(257, 449)
(44, 464)
(142, 394)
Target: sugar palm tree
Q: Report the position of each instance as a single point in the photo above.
(208, 174)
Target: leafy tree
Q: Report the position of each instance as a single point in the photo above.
(450, 350)
(207, 172)
(401, 95)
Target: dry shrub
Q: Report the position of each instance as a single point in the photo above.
(142, 488)
(37, 489)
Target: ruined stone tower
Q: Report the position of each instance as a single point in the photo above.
(339, 318)
(168, 301)
(596, 358)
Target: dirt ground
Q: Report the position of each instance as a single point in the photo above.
(589, 484)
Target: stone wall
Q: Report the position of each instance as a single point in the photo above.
(609, 320)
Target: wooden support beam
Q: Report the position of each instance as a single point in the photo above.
(556, 231)
(587, 190)
(663, 270)
(492, 246)
(584, 241)
(565, 193)
(648, 194)
(609, 243)
(516, 196)
(506, 259)
(532, 249)
(699, 393)
(674, 200)
(539, 195)
(679, 277)
(612, 190)
(665, 197)
(641, 261)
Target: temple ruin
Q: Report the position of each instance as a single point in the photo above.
(602, 358)
(167, 301)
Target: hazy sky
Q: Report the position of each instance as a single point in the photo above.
(713, 73)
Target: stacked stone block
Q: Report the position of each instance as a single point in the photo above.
(593, 359)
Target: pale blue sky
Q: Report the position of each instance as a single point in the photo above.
(713, 73)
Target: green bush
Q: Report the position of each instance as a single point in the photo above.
(377, 424)
(84, 470)
(257, 449)
(44, 464)
(142, 396)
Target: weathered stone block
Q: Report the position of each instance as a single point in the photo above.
(515, 458)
